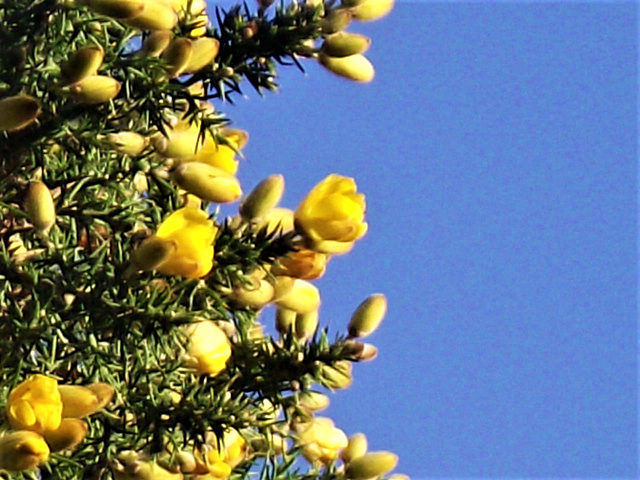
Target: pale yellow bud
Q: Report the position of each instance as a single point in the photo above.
(204, 52)
(95, 89)
(69, 434)
(314, 401)
(18, 111)
(156, 43)
(277, 220)
(181, 143)
(155, 16)
(343, 44)
(40, 207)
(369, 352)
(103, 391)
(306, 325)
(77, 401)
(263, 198)
(82, 63)
(337, 376)
(336, 21)
(121, 9)
(368, 316)
(356, 448)
(177, 56)
(354, 67)
(129, 143)
(207, 182)
(22, 450)
(256, 294)
(186, 462)
(284, 320)
(371, 465)
(152, 252)
(297, 295)
(371, 9)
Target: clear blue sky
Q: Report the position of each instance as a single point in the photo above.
(498, 150)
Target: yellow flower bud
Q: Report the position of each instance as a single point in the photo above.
(336, 21)
(103, 391)
(40, 207)
(354, 67)
(284, 320)
(77, 401)
(256, 294)
(313, 401)
(371, 9)
(177, 56)
(356, 448)
(343, 44)
(207, 182)
(204, 52)
(121, 9)
(368, 316)
(18, 112)
(263, 198)
(371, 465)
(156, 43)
(152, 252)
(304, 264)
(138, 470)
(82, 63)
(69, 434)
(182, 142)
(35, 404)
(129, 143)
(208, 349)
(306, 325)
(277, 220)
(337, 376)
(221, 155)
(95, 89)
(321, 441)
(156, 15)
(22, 450)
(295, 294)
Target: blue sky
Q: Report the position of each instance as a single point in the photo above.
(497, 148)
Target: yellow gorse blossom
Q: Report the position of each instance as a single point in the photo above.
(35, 405)
(218, 461)
(22, 450)
(331, 217)
(192, 233)
(321, 441)
(208, 349)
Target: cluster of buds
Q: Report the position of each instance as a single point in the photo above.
(46, 417)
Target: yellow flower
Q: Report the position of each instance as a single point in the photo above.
(218, 462)
(321, 441)
(208, 349)
(331, 217)
(192, 233)
(220, 155)
(35, 405)
(22, 450)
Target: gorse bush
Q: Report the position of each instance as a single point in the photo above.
(131, 338)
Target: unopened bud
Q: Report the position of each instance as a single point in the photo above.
(369, 10)
(121, 9)
(368, 316)
(82, 63)
(304, 264)
(207, 182)
(156, 43)
(155, 16)
(129, 143)
(186, 462)
(338, 375)
(263, 198)
(297, 295)
(314, 401)
(284, 320)
(40, 207)
(336, 21)
(95, 89)
(103, 391)
(177, 56)
(255, 295)
(152, 252)
(277, 220)
(77, 401)
(356, 448)
(371, 465)
(306, 325)
(22, 450)
(204, 52)
(343, 44)
(354, 67)
(69, 434)
(18, 111)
